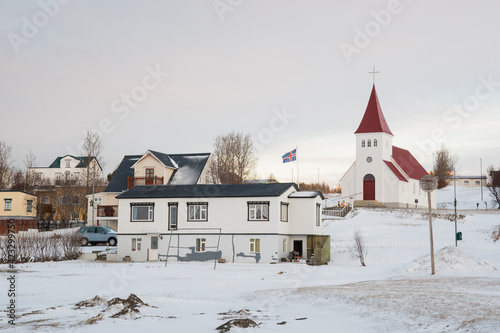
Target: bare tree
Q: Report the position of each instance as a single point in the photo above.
(444, 166)
(71, 202)
(30, 180)
(233, 159)
(493, 183)
(5, 165)
(358, 248)
(92, 150)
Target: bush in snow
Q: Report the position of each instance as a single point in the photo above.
(358, 248)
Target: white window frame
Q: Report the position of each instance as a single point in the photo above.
(254, 245)
(172, 226)
(200, 245)
(197, 211)
(318, 214)
(284, 212)
(369, 143)
(150, 211)
(136, 244)
(363, 143)
(8, 204)
(256, 207)
(68, 163)
(374, 142)
(45, 200)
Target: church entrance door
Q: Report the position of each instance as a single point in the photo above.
(369, 187)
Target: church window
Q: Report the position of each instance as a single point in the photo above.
(414, 188)
(363, 143)
(374, 142)
(369, 143)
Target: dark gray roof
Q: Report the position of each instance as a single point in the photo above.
(164, 158)
(188, 169)
(119, 181)
(207, 191)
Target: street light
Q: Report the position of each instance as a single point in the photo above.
(428, 184)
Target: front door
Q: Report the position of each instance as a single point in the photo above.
(153, 248)
(369, 187)
(150, 175)
(297, 247)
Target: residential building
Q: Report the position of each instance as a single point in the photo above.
(257, 223)
(150, 168)
(18, 206)
(469, 181)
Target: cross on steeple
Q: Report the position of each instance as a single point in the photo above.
(373, 74)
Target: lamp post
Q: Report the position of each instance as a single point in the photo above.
(428, 184)
(455, 204)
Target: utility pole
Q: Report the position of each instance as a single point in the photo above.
(318, 179)
(481, 178)
(455, 203)
(428, 184)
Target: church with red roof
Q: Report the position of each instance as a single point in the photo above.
(382, 173)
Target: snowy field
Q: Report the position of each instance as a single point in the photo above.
(395, 292)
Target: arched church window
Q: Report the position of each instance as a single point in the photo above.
(363, 143)
(369, 143)
(374, 142)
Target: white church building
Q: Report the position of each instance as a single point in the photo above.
(382, 173)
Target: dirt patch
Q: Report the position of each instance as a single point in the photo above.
(240, 323)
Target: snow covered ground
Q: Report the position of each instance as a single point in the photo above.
(395, 292)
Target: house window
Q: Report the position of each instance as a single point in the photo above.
(29, 206)
(284, 212)
(200, 244)
(8, 204)
(76, 176)
(254, 245)
(136, 244)
(258, 211)
(285, 247)
(374, 142)
(142, 211)
(62, 200)
(67, 176)
(58, 176)
(45, 200)
(172, 216)
(369, 143)
(478, 182)
(197, 211)
(68, 163)
(363, 143)
(466, 182)
(318, 214)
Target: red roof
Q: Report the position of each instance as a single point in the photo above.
(408, 163)
(373, 120)
(396, 171)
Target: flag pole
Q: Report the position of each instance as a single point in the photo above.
(297, 159)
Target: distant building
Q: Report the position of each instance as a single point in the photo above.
(469, 181)
(382, 173)
(18, 206)
(65, 168)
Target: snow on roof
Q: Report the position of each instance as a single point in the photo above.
(305, 194)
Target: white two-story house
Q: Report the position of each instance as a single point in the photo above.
(258, 223)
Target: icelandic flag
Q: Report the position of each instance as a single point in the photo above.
(290, 156)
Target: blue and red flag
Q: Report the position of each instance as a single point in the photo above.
(290, 156)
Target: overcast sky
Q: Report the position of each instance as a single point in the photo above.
(171, 75)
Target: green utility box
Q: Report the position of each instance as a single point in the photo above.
(459, 235)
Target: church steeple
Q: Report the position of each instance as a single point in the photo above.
(373, 120)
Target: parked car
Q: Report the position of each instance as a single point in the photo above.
(97, 234)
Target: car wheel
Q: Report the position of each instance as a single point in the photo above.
(85, 241)
(112, 241)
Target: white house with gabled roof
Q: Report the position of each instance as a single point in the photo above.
(258, 223)
(382, 172)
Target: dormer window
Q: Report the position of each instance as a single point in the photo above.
(374, 142)
(68, 163)
(369, 143)
(363, 143)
